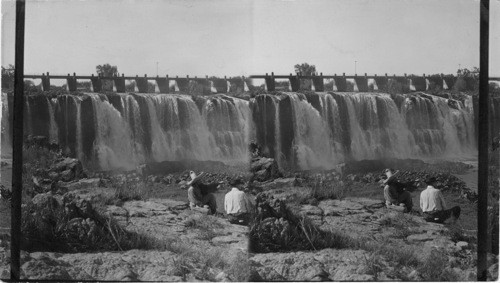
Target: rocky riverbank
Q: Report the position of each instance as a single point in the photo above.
(333, 225)
(185, 244)
(371, 242)
(120, 226)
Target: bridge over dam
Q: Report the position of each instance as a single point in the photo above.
(224, 85)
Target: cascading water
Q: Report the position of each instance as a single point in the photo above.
(111, 131)
(313, 130)
(320, 130)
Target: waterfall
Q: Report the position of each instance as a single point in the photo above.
(320, 130)
(302, 131)
(121, 131)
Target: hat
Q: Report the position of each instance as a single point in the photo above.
(431, 180)
(192, 174)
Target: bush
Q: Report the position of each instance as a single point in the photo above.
(64, 228)
(293, 232)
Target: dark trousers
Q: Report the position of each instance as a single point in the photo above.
(441, 215)
(241, 218)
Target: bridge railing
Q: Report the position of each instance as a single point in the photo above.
(419, 83)
(221, 85)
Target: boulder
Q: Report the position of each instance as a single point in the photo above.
(68, 168)
(45, 268)
(45, 201)
(264, 169)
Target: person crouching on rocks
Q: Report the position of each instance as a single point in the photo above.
(237, 204)
(197, 197)
(394, 193)
(433, 204)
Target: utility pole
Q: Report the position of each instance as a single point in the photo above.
(157, 68)
(483, 144)
(355, 67)
(17, 146)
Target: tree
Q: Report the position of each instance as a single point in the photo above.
(107, 70)
(474, 73)
(467, 80)
(305, 69)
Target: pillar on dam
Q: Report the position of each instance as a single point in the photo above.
(318, 83)
(341, 83)
(46, 82)
(182, 84)
(419, 83)
(142, 84)
(220, 85)
(270, 83)
(163, 84)
(96, 83)
(362, 83)
(71, 82)
(119, 83)
(294, 83)
(381, 82)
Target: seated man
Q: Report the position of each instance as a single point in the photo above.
(394, 193)
(433, 205)
(237, 204)
(198, 197)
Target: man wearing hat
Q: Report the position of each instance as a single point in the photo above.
(394, 193)
(434, 206)
(237, 204)
(198, 197)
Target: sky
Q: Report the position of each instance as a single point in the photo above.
(245, 37)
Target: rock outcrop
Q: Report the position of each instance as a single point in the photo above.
(264, 169)
(369, 237)
(193, 246)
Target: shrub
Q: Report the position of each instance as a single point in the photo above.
(323, 188)
(292, 232)
(54, 228)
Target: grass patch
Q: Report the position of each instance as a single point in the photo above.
(400, 222)
(205, 224)
(323, 187)
(293, 232)
(205, 263)
(405, 259)
(57, 228)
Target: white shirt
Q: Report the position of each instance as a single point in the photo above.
(431, 199)
(236, 201)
